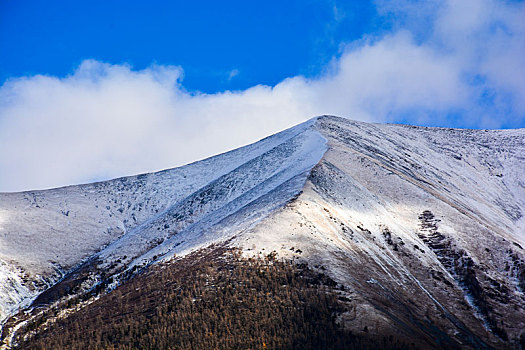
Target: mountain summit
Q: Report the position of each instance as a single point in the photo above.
(421, 229)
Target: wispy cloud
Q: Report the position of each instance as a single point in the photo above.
(465, 60)
(233, 73)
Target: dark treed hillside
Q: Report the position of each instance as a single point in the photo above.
(212, 299)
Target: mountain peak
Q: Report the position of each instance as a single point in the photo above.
(427, 218)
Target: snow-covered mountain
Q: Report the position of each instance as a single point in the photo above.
(424, 227)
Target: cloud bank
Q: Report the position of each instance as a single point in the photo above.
(444, 63)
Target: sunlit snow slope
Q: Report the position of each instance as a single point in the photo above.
(424, 227)
(43, 234)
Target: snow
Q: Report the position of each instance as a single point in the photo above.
(328, 188)
(45, 232)
(12, 289)
(377, 177)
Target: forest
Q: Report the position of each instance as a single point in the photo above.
(211, 299)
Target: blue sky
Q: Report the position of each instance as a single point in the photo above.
(260, 42)
(91, 90)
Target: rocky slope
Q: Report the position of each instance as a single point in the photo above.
(423, 227)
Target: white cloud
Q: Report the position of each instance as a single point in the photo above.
(466, 59)
(486, 38)
(107, 120)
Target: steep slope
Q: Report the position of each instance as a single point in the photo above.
(423, 227)
(44, 235)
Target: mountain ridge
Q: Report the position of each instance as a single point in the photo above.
(333, 192)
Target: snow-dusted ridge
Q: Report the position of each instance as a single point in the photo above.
(432, 218)
(412, 219)
(43, 232)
